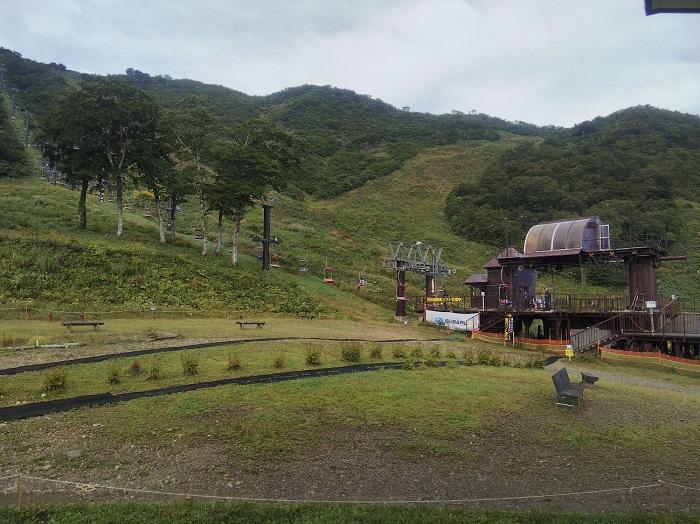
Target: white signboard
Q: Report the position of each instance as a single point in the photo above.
(456, 321)
(651, 304)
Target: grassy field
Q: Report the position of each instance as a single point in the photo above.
(370, 436)
(186, 513)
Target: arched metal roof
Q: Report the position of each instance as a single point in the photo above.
(581, 234)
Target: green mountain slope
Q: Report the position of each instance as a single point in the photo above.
(372, 174)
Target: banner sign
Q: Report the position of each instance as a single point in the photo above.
(456, 321)
(438, 300)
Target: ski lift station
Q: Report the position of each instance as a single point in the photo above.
(508, 293)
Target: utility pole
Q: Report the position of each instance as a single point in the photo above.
(27, 127)
(14, 101)
(266, 236)
(2, 77)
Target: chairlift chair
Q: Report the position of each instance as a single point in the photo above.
(303, 268)
(275, 261)
(361, 280)
(328, 274)
(147, 211)
(198, 233)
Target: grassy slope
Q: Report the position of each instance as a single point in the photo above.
(45, 255)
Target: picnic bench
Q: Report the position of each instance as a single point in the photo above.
(95, 324)
(568, 394)
(258, 323)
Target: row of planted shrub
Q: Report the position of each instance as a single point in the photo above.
(56, 380)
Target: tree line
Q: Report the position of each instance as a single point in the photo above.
(108, 132)
(633, 168)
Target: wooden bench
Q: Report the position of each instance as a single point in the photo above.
(258, 323)
(71, 325)
(568, 394)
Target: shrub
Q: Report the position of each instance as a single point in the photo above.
(135, 368)
(407, 365)
(190, 365)
(278, 362)
(375, 351)
(113, 376)
(450, 354)
(399, 352)
(234, 363)
(351, 353)
(587, 358)
(430, 362)
(535, 364)
(153, 372)
(313, 356)
(416, 352)
(151, 333)
(55, 380)
(434, 352)
(8, 340)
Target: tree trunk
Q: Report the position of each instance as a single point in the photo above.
(161, 226)
(82, 204)
(172, 208)
(220, 233)
(235, 237)
(203, 221)
(120, 204)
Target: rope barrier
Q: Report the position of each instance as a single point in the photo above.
(90, 487)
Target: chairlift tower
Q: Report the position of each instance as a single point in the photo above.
(267, 203)
(2, 77)
(416, 258)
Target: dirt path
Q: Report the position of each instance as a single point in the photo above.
(634, 380)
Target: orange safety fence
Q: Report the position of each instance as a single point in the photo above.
(551, 346)
(651, 358)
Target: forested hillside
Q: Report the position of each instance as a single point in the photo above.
(13, 157)
(365, 173)
(633, 168)
(348, 138)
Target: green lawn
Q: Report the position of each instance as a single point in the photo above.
(197, 512)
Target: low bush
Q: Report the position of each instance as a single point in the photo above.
(55, 380)
(190, 365)
(416, 352)
(313, 355)
(278, 362)
(9, 340)
(450, 354)
(375, 351)
(586, 358)
(399, 352)
(154, 372)
(351, 353)
(151, 333)
(113, 376)
(408, 365)
(135, 368)
(234, 363)
(534, 364)
(434, 352)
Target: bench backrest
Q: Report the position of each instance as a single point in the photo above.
(561, 379)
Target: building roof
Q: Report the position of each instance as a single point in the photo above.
(580, 234)
(477, 278)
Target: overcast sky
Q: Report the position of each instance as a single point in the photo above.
(542, 61)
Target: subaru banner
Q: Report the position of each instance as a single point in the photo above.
(456, 321)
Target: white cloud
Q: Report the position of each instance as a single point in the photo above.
(547, 62)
